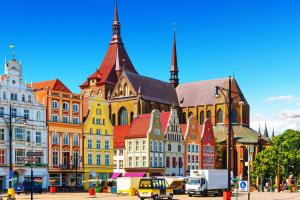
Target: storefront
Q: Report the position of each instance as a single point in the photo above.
(65, 179)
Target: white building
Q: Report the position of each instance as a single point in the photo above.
(17, 101)
(174, 147)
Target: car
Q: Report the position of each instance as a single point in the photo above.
(156, 188)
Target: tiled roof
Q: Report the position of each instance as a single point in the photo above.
(139, 127)
(242, 134)
(106, 72)
(203, 92)
(183, 128)
(153, 89)
(119, 136)
(56, 85)
(164, 119)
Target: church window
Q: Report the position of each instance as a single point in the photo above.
(220, 116)
(245, 115)
(123, 116)
(131, 116)
(233, 116)
(208, 114)
(113, 119)
(201, 117)
(184, 118)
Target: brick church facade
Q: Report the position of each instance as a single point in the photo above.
(130, 94)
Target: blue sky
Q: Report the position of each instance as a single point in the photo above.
(257, 40)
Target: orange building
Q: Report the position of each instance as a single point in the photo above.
(65, 138)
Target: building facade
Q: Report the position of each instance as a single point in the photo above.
(98, 141)
(174, 144)
(144, 145)
(29, 132)
(119, 149)
(65, 138)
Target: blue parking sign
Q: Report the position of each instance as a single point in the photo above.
(243, 186)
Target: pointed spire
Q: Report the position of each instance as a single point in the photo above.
(174, 80)
(140, 90)
(116, 16)
(116, 27)
(266, 134)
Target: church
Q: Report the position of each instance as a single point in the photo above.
(131, 94)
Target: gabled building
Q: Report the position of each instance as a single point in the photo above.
(144, 145)
(207, 146)
(119, 149)
(98, 141)
(65, 138)
(174, 143)
(28, 125)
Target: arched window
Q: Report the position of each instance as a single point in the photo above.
(208, 114)
(131, 116)
(220, 116)
(233, 116)
(201, 117)
(184, 118)
(113, 119)
(75, 108)
(123, 116)
(125, 89)
(190, 114)
(65, 106)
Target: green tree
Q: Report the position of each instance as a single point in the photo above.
(284, 147)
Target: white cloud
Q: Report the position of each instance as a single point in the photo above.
(285, 119)
(285, 98)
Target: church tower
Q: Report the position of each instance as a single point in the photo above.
(174, 80)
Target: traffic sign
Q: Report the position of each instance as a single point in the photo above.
(32, 153)
(243, 186)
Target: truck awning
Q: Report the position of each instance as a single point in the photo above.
(115, 175)
(134, 174)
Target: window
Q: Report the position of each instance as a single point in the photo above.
(66, 139)
(130, 161)
(220, 116)
(38, 116)
(123, 116)
(75, 107)
(55, 118)
(19, 154)
(75, 120)
(121, 165)
(90, 159)
(189, 158)
(233, 116)
(160, 146)
(144, 161)
(184, 118)
(13, 97)
(168, 162)
(4, 95)
(160, 161)
(54, 105)
(89, 144)
(66, 119)
(208, 114)
(201, 117)
(130, 146)
(1, 111)
(98, 131)
(174, 162)
(38, 137)
(13, 112)
(137, 146)
(2, 135)
(197, 148)
(151, 145)
(55, 138)
(19, 134)
(28, 136)
(65, 106)
(29, 99)
(189, 148)
(151, 161)
(23, 98)
(91, 131)
(179, 148)
(2, 156)
(26, 114)
(155, 146)
(155, 161)
(106, 160)
(106, 144)
(76, 140)
(137, 161)
(144, 146)
(98, 144)
(193, 148)
(55, 157)
(98, 158)
(169, 147)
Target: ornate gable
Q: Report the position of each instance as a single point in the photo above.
(123, 88)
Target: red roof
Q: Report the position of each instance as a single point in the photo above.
(164, 119)
(56, 85)
(119, 136)
(183, 129)
(139, 127)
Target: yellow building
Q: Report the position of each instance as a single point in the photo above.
(98, 141)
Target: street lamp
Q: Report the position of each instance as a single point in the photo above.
(9, 125)
(228, 101)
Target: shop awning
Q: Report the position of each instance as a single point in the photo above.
(135, 174)
(115, 175)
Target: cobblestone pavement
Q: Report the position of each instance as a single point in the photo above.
(82, 196)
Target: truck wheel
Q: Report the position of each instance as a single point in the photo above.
(204, 193)
(170, 197)
(141, 198)
(155, 197)
(190, 195)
